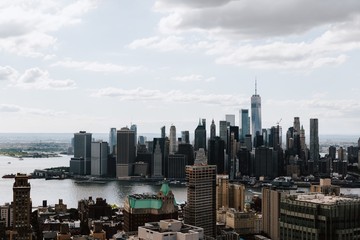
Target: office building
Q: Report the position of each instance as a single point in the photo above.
(216, 154)
(125, 154)
(244, 124)
(222, 193)
(314, 140)
(80, 164)
(297, 124)
(200, 136)
(187, 150)
(200, 210)
(266, 162)
(163, 132)
(21, 208)
(176, 166)
(223, 131)
(185, 137)
(212, 130)
(6, 213)
(230, 119)
(164, 145)
(236, 197)
(112, 141)
(142, 208)
(256, 113)
(172, 138)
(99, 158)
(157, 171)
(170, 229)
(271, 211)
(316, 216)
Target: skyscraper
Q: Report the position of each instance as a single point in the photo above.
(297, 124)
(230, 119)
(223, 131)
(201, 197)
(125, 154)
(22, 207)
(200, 136)
(314, 140)
(185, 137)
(173, 144)
(216, 154)
(112, 140)
(212, 129)
(244, 124)
(81, 162)
(256, 113)
(99, 158)
(133, 128)
(163, 132)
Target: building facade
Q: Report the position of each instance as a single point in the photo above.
(125, 153)
(200, 210)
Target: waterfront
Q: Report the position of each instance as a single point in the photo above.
(67, 189)
(71, 192)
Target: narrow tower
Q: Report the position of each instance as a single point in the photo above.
(256, 113)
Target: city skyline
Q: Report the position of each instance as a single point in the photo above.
(92, 65)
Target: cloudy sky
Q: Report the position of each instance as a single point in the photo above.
(70, 65)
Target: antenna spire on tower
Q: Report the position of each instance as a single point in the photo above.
(255, 86)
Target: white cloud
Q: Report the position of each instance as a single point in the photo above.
(169, 43)
(16, 109)
(96, 66)
(26, 27)
(33, 78)
(196, 97)
(194, 78)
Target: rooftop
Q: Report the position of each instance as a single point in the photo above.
(323, 199)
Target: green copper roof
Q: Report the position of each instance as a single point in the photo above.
(165, 189)
(145, 203)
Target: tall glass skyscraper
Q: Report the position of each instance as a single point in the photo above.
(256, 113)
(314, 140)
(112, 140)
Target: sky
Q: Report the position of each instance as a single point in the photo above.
(71, 65)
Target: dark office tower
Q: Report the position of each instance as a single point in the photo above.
(22, 207)
(275, 137)
(212, 129)
(256, 113)
(200, 209)
(244, 123)
(203, 122)
(176, 166)
(125, 154)
(164, 147)
(289, 138)
(133, 128)
(248, 142)
(157, 162)
(112, 140)
(265, 136)
(223, 131)
(99, 158)
(185, 137)
(200, 136)
(359, 143)
(332, 152)
(188, 150)
(244, 156)
(297, 124)
(232, 130)
(163, 133)
(173, 143)
(314, 140)
(81, 162)
(266, 162)
(216, 154)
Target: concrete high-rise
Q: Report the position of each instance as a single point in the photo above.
(302, 138)
(173, 143)
(244, 124)
(125, 154)
(157, 164)
(314, 140)
(99, 158)
(256, 113)
(201, 197)
(112, 140)
(21, 208)
(212, 130)
(200, 136)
